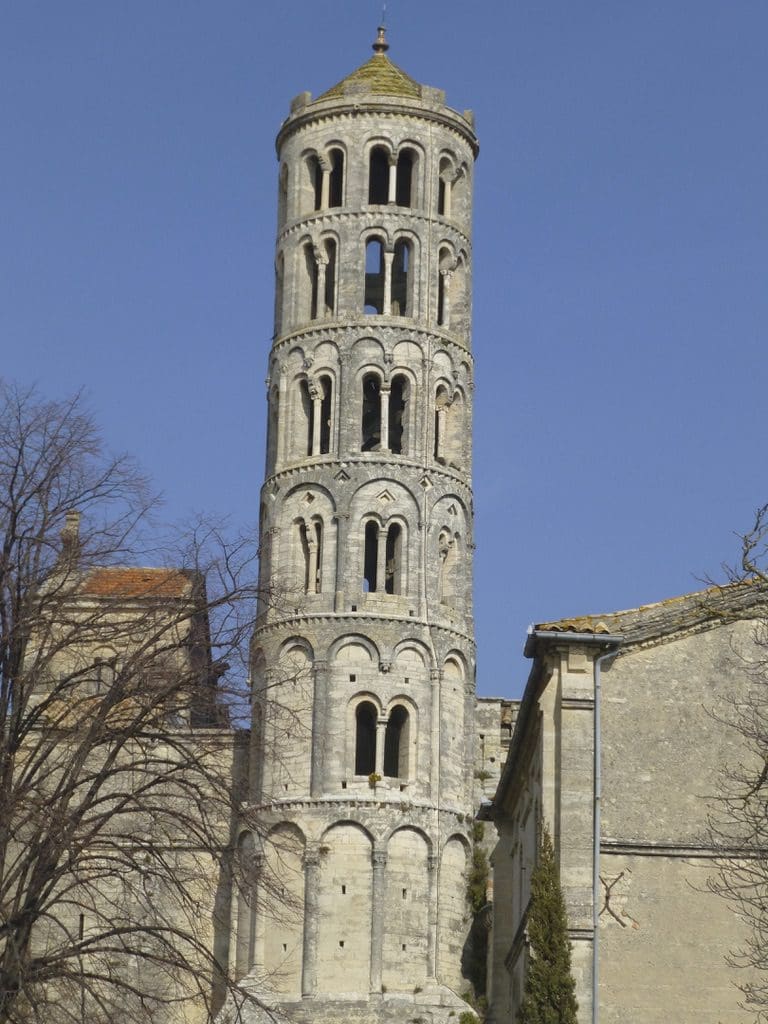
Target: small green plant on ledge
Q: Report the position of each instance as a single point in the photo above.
(373, 778)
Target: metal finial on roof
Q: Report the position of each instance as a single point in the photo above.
(381, 45)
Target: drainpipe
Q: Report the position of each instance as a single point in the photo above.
(598, 777)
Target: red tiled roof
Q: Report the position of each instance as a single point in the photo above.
(119, 581)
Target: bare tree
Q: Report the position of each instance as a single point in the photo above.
(738, 824)
(119, 771)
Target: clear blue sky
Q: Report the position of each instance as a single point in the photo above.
(621, 255)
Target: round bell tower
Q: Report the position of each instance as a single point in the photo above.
(364, 657)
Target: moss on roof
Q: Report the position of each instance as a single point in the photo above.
(379, 77)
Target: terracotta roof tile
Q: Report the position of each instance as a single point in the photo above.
(119, 581)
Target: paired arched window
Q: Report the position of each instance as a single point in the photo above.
(382, 744)
(388, 278)
(384, 420)
(391, 179)
(311, 541)
(319, 291)
(323, 182)
(449, 439)
(384, 561)
(316, 411)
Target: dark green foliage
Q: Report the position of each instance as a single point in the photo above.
(549, 986)
(475, 956)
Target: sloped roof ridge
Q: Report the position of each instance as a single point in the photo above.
(379, 76)
(713, 605)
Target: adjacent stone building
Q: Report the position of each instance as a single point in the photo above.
(619, 746)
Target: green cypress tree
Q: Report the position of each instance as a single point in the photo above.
(549, 996)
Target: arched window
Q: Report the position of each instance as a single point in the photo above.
(306, 415)
(370, 557)
(398, 406)
(326, 411)
(406, 161)
(449, 554)
(445, 264)
(441, 411)
(279, 276)
(310, 283)
(396, 744)
(371, 417)
(374, 276)
(311, 537)
(401, 278)
(365, 738)
(444, 187)
(282, 196)
(316, 179)
(315, 414)
(336, 184)
(393, 566)
(329, 285)
(378, 176)
(273, 415)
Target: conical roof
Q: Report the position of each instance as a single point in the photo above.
(379, 76)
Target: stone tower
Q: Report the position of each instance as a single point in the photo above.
(363, 663)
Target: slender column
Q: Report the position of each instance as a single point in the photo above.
(319, 725)
(432, 910)
(448, 193)
(388, 258)
(440, 429)
(325, 185)
(391, 198)
(446, 275)
(379, 858)
(312, 559)
(322, 266)
(384, 409)
(311, 920)
(317, 407)
(381, 561)
(381, 733)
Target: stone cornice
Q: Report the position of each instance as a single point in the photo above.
(333, 111)
(383, 328)
(358, 619)
(380, 216)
